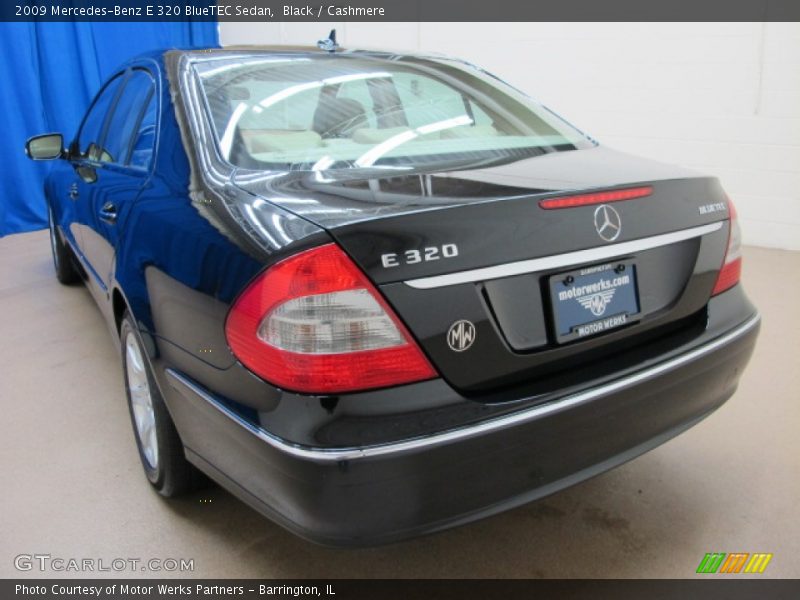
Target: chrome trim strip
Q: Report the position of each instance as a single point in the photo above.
(558, 261)
(340, 454)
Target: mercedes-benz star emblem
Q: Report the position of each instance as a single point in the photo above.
(607, 222)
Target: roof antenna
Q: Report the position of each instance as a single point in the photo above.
(329, 44)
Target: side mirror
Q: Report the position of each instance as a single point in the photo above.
(45, 147)
(88, 174)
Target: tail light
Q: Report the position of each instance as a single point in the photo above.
(313, 323)
(732, 265)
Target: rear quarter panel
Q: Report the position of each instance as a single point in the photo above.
(175, 270)
(184, 256)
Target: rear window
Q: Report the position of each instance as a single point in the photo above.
(345, 112)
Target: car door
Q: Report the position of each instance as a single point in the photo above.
(69, 182)
(114, 170)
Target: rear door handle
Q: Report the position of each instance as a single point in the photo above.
(109, 213)
(73, 191)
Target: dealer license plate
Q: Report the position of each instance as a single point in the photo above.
(593, 300)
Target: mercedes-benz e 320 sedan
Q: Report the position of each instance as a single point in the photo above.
(376, 295)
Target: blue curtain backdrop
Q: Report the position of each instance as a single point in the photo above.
(49, 73)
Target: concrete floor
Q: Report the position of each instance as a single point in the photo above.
(73, 487)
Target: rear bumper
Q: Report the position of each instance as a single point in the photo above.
(379, 494)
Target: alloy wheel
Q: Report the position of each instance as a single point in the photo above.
(144, 416)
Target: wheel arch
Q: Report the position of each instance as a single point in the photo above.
(119, 305)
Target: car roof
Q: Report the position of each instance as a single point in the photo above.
(302, 50)
(257, 50)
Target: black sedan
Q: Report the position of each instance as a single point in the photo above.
(378, 295)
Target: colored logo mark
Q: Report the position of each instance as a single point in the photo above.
(735, 562)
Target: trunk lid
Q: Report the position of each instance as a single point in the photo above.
(474, 266)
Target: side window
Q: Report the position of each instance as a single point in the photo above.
(125, 126)
(143, 144)
(92, 131)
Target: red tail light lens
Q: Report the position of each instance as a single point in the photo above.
(732, 264)
(314, 323)
(597, 198)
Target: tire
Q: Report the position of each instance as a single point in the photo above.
(66, 273)
(160, 447)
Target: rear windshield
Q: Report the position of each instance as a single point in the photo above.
(346, 112)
